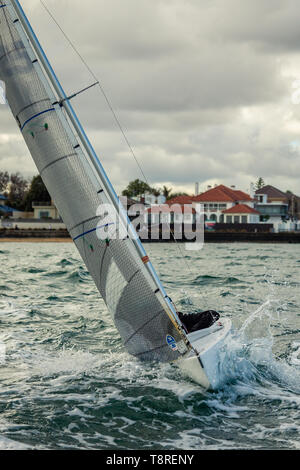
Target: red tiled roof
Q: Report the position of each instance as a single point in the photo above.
(180, 200)
(243, 196)
(213, 195)
(222, 193)
(240, 209)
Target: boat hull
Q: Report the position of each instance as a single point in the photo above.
(204, 366)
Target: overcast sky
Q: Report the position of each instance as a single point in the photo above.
(205, 89)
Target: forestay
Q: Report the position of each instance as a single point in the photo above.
(140, 311)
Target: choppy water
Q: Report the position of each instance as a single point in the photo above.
(67, 382)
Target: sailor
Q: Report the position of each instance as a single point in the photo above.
(198, 321)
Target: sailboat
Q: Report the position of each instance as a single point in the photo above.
(143, 313)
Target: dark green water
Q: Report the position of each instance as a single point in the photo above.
(66, 381)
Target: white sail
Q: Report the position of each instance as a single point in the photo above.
(143, 314)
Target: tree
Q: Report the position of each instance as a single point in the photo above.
(37, 192)
(166, 192)
(17, 191)
(136, 188)
(4, 179)
(177, 194)
(259, 183)
(155, 191)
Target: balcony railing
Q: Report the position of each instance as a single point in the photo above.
(39, 204)
(214, 209)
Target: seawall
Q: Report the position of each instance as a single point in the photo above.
(209, 237)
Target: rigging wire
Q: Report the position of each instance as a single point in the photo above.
(99, 84)
(109, 104)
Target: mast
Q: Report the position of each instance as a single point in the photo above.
(63, 98)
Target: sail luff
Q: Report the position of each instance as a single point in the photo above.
(170, 310)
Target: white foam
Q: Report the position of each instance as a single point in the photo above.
(66, 361)
(295, 355)
(8, 444)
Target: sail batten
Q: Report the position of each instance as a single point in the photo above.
(78, 185)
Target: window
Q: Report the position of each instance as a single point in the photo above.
(44, 215)
(273, 209)
(244, 219)
(229, 219)
(236, 219)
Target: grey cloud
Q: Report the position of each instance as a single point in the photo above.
(271, 26)
(200, 87)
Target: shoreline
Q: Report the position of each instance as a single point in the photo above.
(62, 236)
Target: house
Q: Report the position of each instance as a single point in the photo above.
(273, 206)
(216, 201)
(241, 214)
(222, 204)
(44, 215)
(273, 194)
(45, 210)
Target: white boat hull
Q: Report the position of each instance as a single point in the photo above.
(203, 367)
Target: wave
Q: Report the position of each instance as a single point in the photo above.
(204, 280)
(9, 444)
(67, 262)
